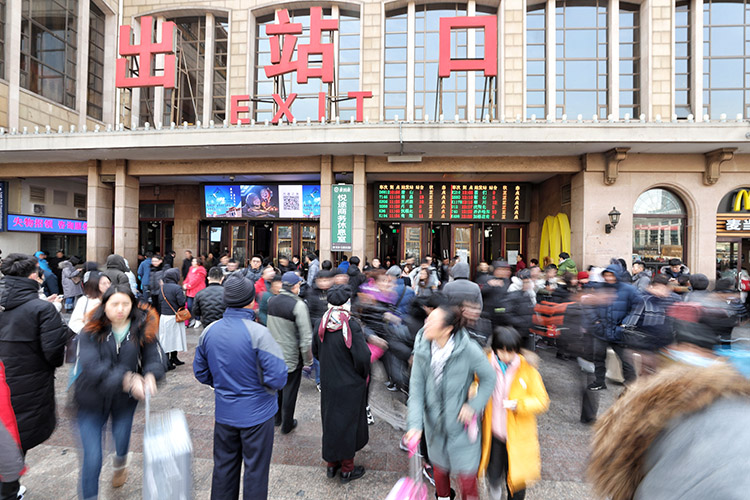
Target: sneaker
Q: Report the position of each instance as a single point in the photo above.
(428, 473)
(402, 444)
(197, 324)
(21, 492)
(318, 386)
(391, 386)
(595, 386)
(370, 420)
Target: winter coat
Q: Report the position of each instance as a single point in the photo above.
(32, 345)
(70, 289)
(521, 305)
(667, 270)
(343, 391)
(567, 266)
(608, 318)
(404, 297)
(680, 434)
(263, 308)
(524, 461)
(461, 289)
(186, 265)
(175, 297)
(103, 364)
(434, 408)
(209, 304)
(312, 271)
(243, 363)
(116, 269)
(155, 277)
(195, 281)
(317, 303)
(144, 273)
(83, 307)
(11, 455)
(642, 280)
(289, 322)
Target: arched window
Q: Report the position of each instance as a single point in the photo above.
(659, 221)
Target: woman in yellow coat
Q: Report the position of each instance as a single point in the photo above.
(510, 447)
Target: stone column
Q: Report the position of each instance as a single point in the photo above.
(661, 89)
(99, 215)
(13, 59)
(372, 53)
(513, 72)
(359, 215)
(324, 232)
(126, 213)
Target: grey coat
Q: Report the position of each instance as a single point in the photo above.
(70, 289)
(434, 408)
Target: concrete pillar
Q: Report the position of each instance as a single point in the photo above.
(324, 233)
(359, 213)
(13, 59)
(126, 213)
(99, 212)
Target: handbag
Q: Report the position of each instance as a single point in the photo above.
(411, 487)
(181, 314)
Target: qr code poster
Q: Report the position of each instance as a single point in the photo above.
(290, 201)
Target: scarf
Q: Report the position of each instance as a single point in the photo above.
(440, 357)
(336, 318)
(505, 373)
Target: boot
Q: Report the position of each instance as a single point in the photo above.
(173, 359)
(358, 472)
(121, 471)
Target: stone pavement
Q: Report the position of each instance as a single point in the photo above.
(297, 471)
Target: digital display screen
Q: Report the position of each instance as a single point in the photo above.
(262, 201)
(32, 224)
(453, 202)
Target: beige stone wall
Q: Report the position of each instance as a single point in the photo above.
(38, 111)
(513, 58)
(3, 104)
(662, 57)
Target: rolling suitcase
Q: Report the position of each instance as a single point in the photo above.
(167, 456)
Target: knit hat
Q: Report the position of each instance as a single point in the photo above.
(394, 271)
(583, 275)
(699, 281)
(338, 295)
(238, 291)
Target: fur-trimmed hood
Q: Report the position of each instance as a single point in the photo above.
(626, 433)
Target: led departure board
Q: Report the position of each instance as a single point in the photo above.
(453, 202)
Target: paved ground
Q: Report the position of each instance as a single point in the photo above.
(297, 471)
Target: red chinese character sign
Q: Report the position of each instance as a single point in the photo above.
(146, 53)
(487, 64)
(282, 53)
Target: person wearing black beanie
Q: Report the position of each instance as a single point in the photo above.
(238, 291)
(339, 344)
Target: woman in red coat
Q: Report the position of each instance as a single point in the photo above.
(194, 282)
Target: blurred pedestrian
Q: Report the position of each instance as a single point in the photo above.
(71, 278)
(194, 282)
(446, 363)
(171, 332)
(94, 286)
(244, 365)
(510, 446)
(273, 289)
(32, 345)
(339, 344)
(116, 269)
(120, 361)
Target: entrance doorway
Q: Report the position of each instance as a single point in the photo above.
(732, 255)
(155, 236)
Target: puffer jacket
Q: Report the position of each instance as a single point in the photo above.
(32, 345)
(289, 323)
(103, 364)
(567, 266)
(172, 291)
(195, 281)
(434, 408)
(209, 304)
(608, 318)
(70, 289)
(116, 269)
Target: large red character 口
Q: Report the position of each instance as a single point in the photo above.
(488, 64)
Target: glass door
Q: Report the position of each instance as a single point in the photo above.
(461, 242)
(238, 242)
(284, 239)
(309, 239)
(728, 258)
(513, 243)
(412, 241)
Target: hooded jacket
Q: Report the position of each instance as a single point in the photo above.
(461, 289)
(175, 296)
(32, 345)
(116, 269)
(608, 318)
(680, 434)
(70, 289)
(195, 280)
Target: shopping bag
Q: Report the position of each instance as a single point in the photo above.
(412, 487)
(167, 456)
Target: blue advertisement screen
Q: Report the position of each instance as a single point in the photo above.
(262, 201)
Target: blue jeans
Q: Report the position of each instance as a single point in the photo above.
(190, 301)
(69, 303)
(91, 426)
(316, 367)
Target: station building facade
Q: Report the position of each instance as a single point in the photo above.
(460, 127)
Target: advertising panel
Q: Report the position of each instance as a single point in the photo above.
(261, 201)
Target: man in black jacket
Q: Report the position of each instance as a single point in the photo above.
(209, 303)
(32, 345)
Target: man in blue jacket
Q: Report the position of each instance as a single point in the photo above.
(243, 363)
(607, 327)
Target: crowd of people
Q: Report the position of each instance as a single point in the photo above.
(458, 342)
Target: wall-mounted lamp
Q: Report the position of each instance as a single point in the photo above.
(614, 218)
